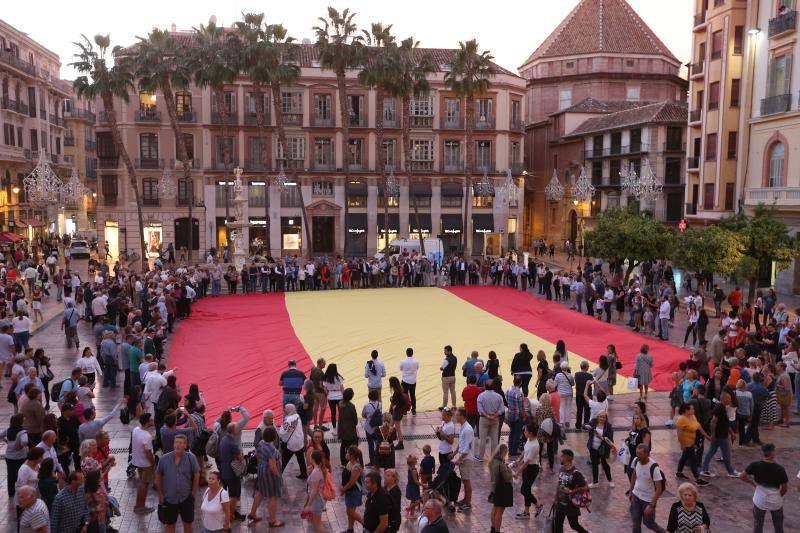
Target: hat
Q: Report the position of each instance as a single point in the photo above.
(447, 410)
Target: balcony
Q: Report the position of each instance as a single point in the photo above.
(148, 115)
(108, 162)
(776, 104)
(219, 164)
(695, 115)
(484, 122)
(782, 24)
(483, 166)
(357, 121)
(177, 164)
(12, 105)
(325, 166)
(391, 123)
(421, 121)
(254, 165)
(250, 119)
(326, 122)
(297, 164)
(699, 19)
(293, 119)
(716, 54)
(186, 116)
(10, 59)
(517, 124)
(696, 69)
(90, 144)
(69, 142)
(91, 173)
(616, 150)
(780, 196)
(231, 118)
(517, 168)
(693, 162)
(452, 167)
(422, 166)
(149, 163)
(454, 123)
(150, 201)
(358, 167)
(102, 117)
(673, 147)
(14, 152)
(43, 113)
(109, 201)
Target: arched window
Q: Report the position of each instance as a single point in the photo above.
(776, 165)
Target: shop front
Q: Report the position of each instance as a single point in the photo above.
(394, 228)
(111, 235)
(153, 237)
(259, 228)
(356, 228)
(291, 235)
(452, 228)
(484, 240)
(424, 225)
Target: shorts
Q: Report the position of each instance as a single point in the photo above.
(185, 510)
(233, 486)
(465, 469)
(352, 498)
(320, 398)
(145, 473)
(397, 415)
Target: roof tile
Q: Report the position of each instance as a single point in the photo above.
(667, 112)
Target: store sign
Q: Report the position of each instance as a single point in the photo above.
(483, 231)
(356, 231)
(452, 231)
(291, 241)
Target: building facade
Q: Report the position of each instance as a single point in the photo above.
(316, 155)
(715, 79)
(585, 58)
(769, 166)
(31, 103)
(80, 149)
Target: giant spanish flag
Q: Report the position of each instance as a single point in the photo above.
(236, 347)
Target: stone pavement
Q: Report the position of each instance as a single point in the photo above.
(728, 500)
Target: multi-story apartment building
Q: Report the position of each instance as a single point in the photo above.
(650, 135)
(602, 51)
(769, 160)
(80, 151)
(715, 78)
(31, 114)
(316, 152)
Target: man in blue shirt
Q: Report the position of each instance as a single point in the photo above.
(760, 397)
(228, 451)
(291, 382)
(69, 511)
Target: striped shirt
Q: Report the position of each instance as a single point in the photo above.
(515, 404)
(490, 403)
(564, 384)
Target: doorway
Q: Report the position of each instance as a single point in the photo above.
(573, 226)
(182, 233)
(322, 234)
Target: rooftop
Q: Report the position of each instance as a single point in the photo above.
(669, 112)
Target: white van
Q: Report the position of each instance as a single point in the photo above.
(433, 248)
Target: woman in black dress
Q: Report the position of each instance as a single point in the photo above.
(502, 488)
(542, 373)
(384, 448)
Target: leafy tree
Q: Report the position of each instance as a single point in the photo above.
(714, 249)
(625, 235)
(765, 239)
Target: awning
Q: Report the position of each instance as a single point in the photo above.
(9, 238)
(452, 189)
(424, 222)
(421, 188)
(357, 189)
(452, 223)
(356, 223)
(32, 222)
(394, 222)
(483, 223)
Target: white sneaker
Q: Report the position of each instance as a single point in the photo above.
(611, 484)
(735, 473)
(669, 423)
(707, 474)
(592, 485)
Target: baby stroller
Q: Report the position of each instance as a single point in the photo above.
(447, 483)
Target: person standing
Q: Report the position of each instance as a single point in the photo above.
(291, 383)
(600, 446)
(408, 369)
(70, 511)
(348, 422)
(317, 377)
(177, 479)
(432, 514)
(229, 450)
(465, 456)
(582, 377)
(721, 433)
(570, 481)
(270, 480)
(771, 483)
(687, 514)
(448, 368)
(373, 419)
(528, 468)
(521, 366)
(647, 485)
(564, 382)
(502, 488)
(375, 371)
(490, 408)
(34, 516)
(514, 416)
(376, 509)
(663, 318)
(642, 370)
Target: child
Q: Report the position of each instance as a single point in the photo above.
(427, 466)
(413, 493)
(648, 322)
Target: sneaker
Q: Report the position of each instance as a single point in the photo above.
(735, 473)
(669, 424)
(523, 515)
(707, 474)
(143, 510)
(611, 484)
(701, 482)
(464, 506)
(680, 475)
(592, 485)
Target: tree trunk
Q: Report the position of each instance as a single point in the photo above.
(258, 93)
(628, 271)
(276, 98)
(409, 166)
(344, 113)
(108, 106)
(469, 113)
(181, 153)
(226, 161)
(380, 164)
(753, 286)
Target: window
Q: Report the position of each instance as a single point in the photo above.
(735, 90)
(452, 112)
(674, 138)
(569, 64)
(322, 110)
(148, 146)
(291, 102)
(389, 152)
(716, 45)
(708, 196)
(230, 102)
(564, 98)
(356, 110)
(632, 93)
(516, 113)
(422, 106)
(635, 140)
(483, 110)
(515, 153)
(738, 39)
(730, 192)
(390, 112)
(19, 138)
(109, 186)
(185, 190)
(105, 144)
(672, 171)
(615, 166)
(597, 145)
(421, 150)
(711, 147)
(290, 197)
(630, 63)
(452, 155)
(254, 154)
(68, 105)
(483, 156)
(257, 194)
(323, 154)
(147, 102)
(700, 101)
(32, 102)
(779, 75)
(776, 165)
(713, 95)
(597, 173)
(188, 142)
(356, 152)
(616, 142)
(322, 188)
(183, 103)
(732, 140)
(718, 3)
(150, 191)
(222, 144)
(701, 52)
(8, 135)
(296, 147)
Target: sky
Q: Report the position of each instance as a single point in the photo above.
(510, 29)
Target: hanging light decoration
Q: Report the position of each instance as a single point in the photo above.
(391, 187)
(650, 186)
(509, 189)
(583, 190)
(73, 190)
(554, 191)
(484, 188)
(167, 187)
(629, 179)
(43, 185)
(280, 180)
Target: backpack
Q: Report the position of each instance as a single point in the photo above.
(328, 487)
(582, 498)
(404, 407)
(212, 446)
(376, 418)
(55, 390)
(653, 466)
(200, 442)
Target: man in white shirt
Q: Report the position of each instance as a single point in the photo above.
(154, 383)
(446, 434)
(142, 459)
(663, 318)
(647, 484)
(409, 368)
(7, 347)
(464, 457)
(99, 307)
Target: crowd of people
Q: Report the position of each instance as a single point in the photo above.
(734, 386)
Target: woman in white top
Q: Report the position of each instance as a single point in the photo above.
(693, 314)
(22, 331)
(89, 365)
(216, 507)
(528, 468)
(564, 381)
(28, 474)
(333, 383)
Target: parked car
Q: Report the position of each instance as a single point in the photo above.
(79, 249)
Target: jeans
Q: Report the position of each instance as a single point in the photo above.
(371, 442)
(411, 390)
(689, 455)
(514, 435)
(663, 326)
(528, 478)
(488, 430)
(725, 445)
(598, 459)
(526, 380)
(21, 340)
(288, 397)
(571, 514)
(216, 286)
(639, 517)
(110, 372)
(582, 412)
(760, 514)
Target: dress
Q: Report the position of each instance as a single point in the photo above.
(642, 369)
(412, 489)
(269, 485)
(503, 488)
(771, 411)
(353, 497)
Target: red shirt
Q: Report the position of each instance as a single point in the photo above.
(735, 298)
(470, 397)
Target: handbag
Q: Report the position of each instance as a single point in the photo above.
(624, 455)
(633, 384)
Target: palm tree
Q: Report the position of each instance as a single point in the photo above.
(214, 62)
(412, 80)
(97, 80)
(469, 75)
(380, 73)
(340, 48)
(161, 64)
